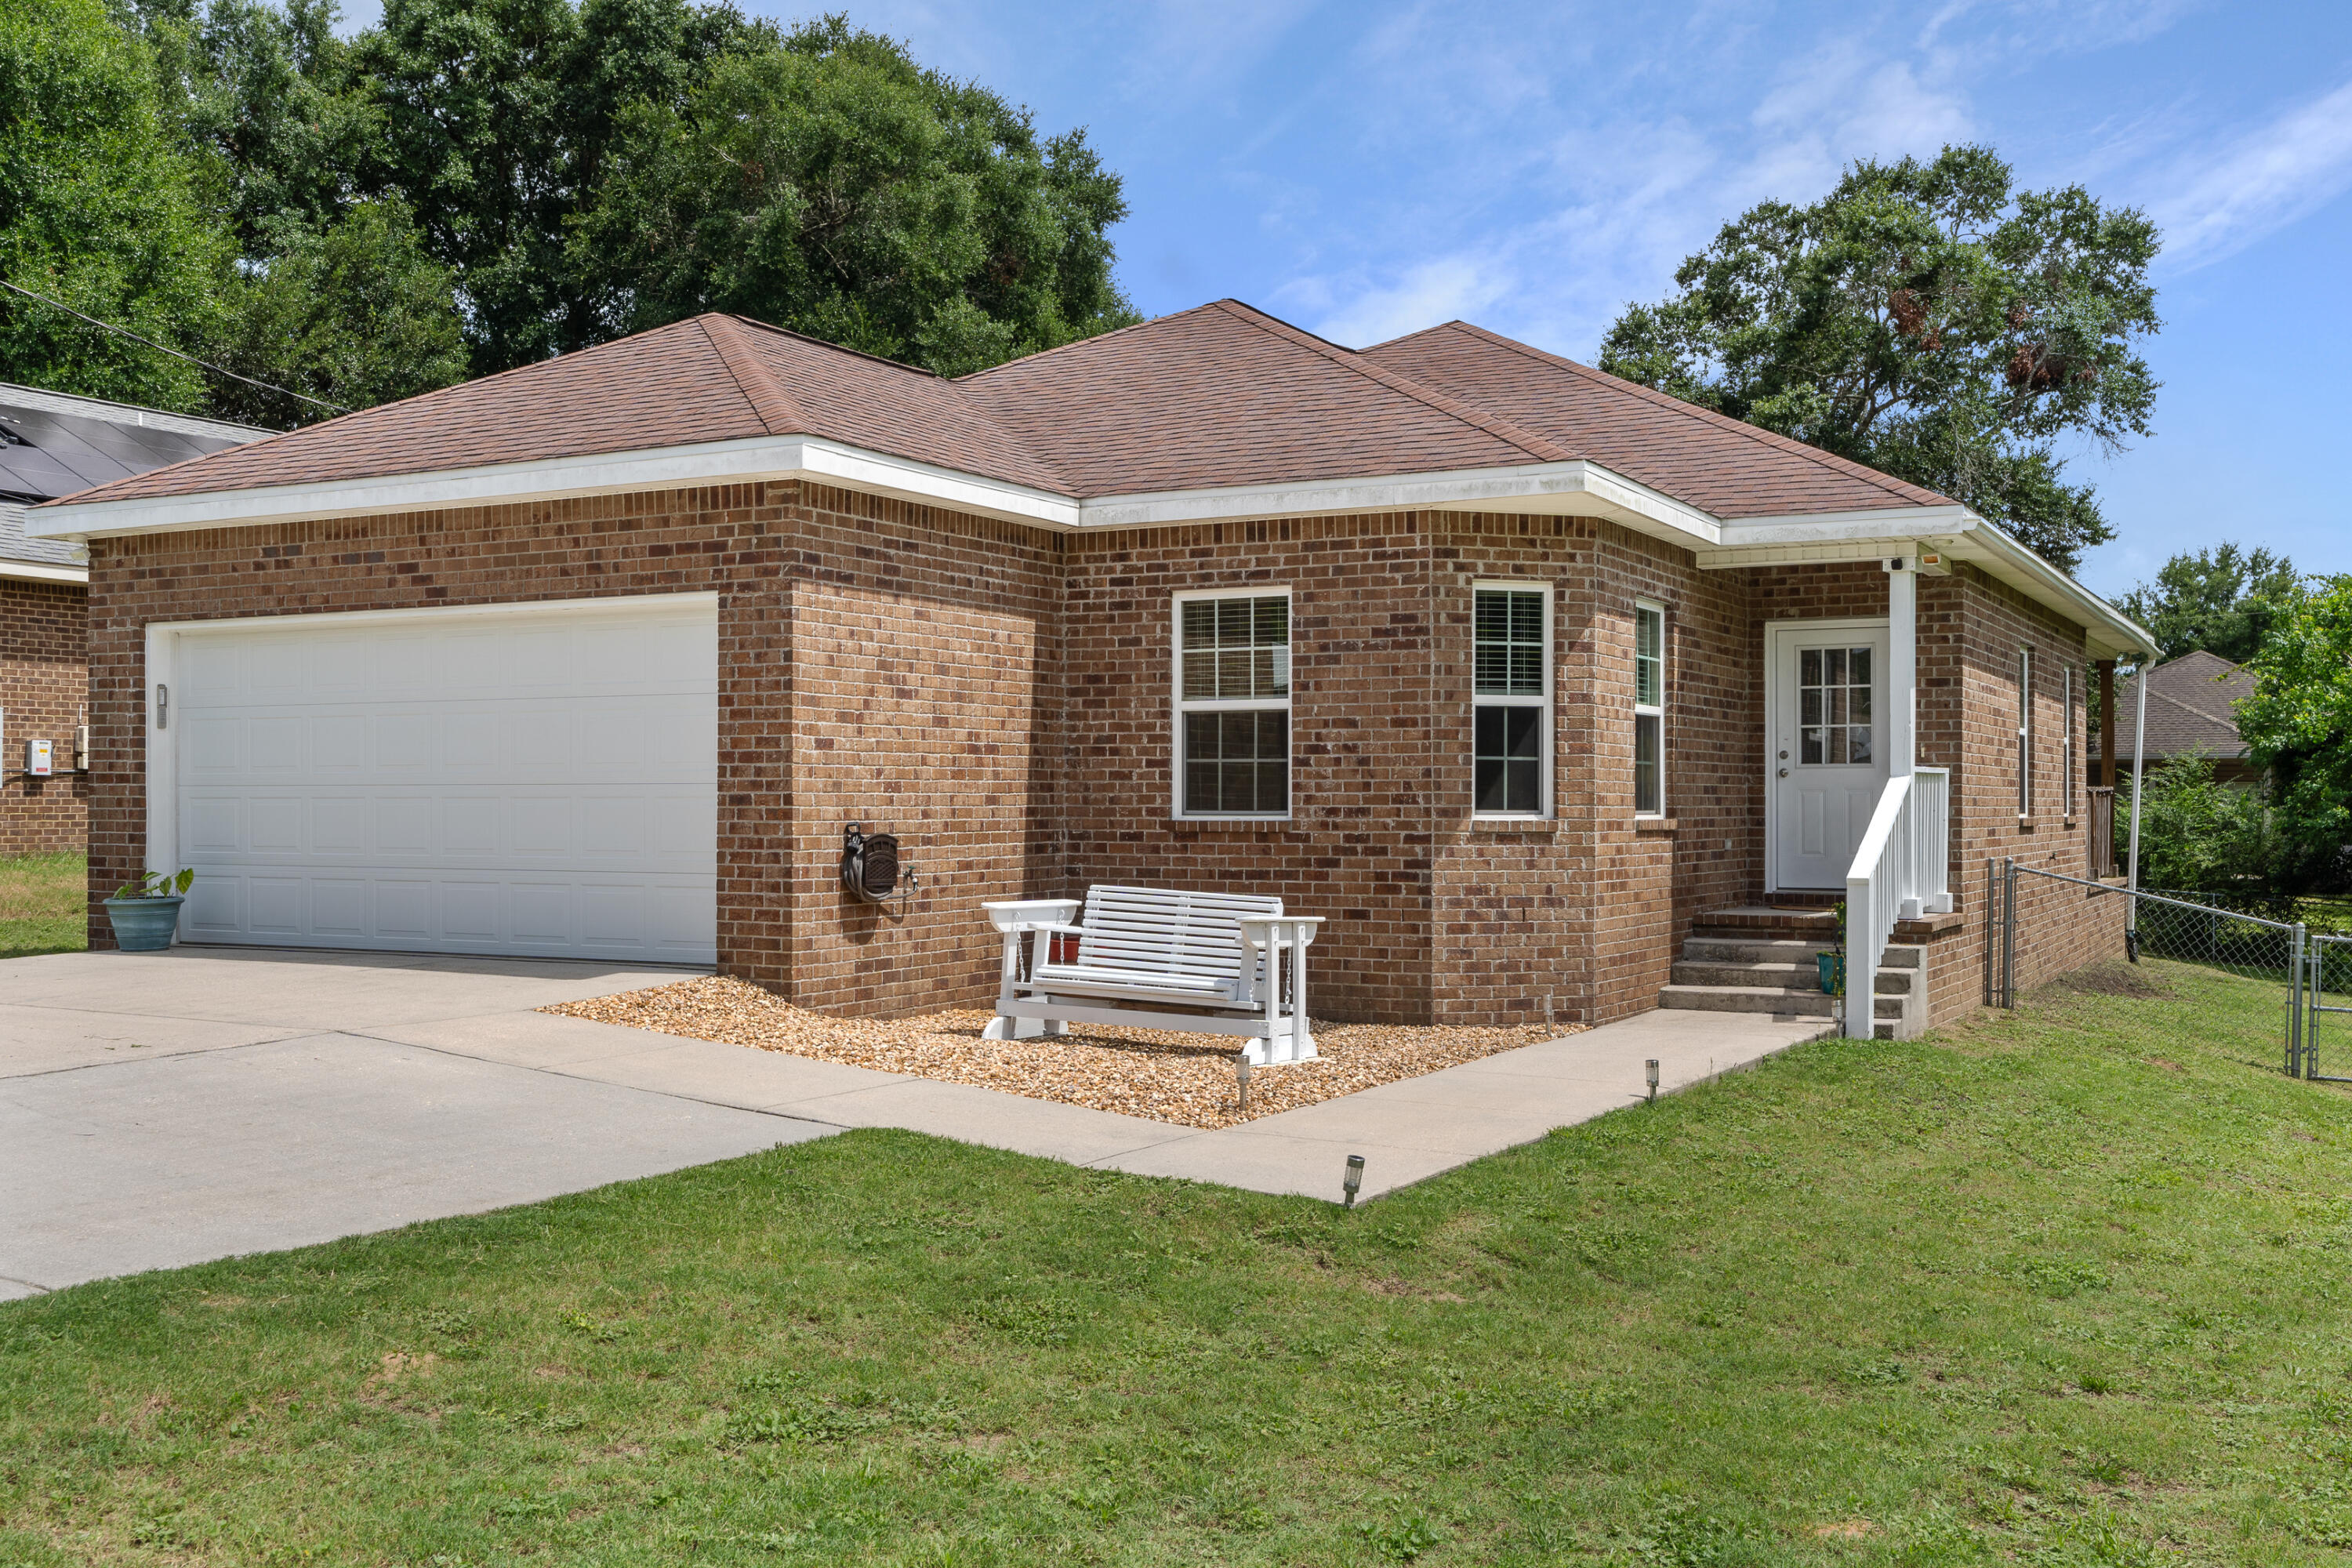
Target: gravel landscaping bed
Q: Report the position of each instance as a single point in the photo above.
(1187, 1079)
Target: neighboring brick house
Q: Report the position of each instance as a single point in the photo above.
(2191, 712)
(52, 445)
(1515, 671)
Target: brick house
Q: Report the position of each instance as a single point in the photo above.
(53, 445)
(1517, 673)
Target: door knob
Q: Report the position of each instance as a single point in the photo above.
(1784, 772)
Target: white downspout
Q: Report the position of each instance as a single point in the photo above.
(2139, 777)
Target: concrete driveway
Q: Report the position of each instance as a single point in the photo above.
(163, 1109)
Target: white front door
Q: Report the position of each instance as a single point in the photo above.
(535, 779)
(1829, 747)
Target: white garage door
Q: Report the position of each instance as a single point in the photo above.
(534, 782)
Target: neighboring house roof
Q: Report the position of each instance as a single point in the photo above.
(1213, 414)
(2192, 703)
(53, 444)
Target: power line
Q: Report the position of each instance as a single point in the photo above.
(134, 337)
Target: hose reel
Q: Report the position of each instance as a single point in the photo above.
(870, 867)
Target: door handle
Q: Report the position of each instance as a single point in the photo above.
(1784, 772)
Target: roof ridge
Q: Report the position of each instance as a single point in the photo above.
(1773, 439)
(774, 407)
(1081, 343)
(1469, 414)
(743, 321)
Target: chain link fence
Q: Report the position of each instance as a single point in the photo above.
(2257, 940)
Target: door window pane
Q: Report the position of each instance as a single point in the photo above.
(1833, 707)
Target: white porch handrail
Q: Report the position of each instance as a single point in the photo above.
(1901, 870)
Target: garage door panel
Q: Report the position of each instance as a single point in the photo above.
(542, 784)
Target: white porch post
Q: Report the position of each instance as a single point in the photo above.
(1902, 666)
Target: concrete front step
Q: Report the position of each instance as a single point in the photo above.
(1781, 1003)
(1892, 982)
(1717, 948)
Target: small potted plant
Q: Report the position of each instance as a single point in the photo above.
(1833, 963)
(146, 912)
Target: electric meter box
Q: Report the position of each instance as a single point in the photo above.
(40, 758)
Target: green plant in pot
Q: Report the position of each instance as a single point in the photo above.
(1833, 963)
(146, 912)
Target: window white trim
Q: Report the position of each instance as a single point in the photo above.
(2024, 733)
(1179, 706)
(2067, 781)
(1650, 709)
(1545, 761)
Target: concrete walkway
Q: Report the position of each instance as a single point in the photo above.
(158, 1109)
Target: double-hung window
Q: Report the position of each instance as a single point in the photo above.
(1233, 705)
(2024, 732)
(1511, 659)
(1649, 709)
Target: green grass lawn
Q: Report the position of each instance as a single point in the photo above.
(41, 904)
(2066, 1288)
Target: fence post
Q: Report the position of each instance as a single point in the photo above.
(2296, 1065)
(2009, 932)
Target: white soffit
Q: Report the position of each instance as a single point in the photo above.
(1827, 537)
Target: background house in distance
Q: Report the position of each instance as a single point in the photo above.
(2191, 712)
(54, 444)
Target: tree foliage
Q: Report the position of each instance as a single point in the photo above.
(1930, 320)
(2197, 833)
(2298, 726)
(350, 311)
(833, 185)
(2223, 600)
(97, 211)
(517, 178)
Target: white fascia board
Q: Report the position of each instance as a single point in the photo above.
(753, 459)
(42, 572)
(1574, 489)
(2106, 630)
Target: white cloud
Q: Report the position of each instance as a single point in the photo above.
(1433, 291)
(2284, 170)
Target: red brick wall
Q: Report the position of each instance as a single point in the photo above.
(925, 673)
(43, 683)
(1358, 847)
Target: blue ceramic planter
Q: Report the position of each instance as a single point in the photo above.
(1833, 972)
(144, 925)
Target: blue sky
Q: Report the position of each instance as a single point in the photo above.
(1369, 167)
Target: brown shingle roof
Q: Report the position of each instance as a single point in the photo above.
(1715, 464)
(1220, 395)
(1224, 394)
(2192, 703)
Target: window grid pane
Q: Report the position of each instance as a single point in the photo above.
(1647, 752)
(1508, 758)
(1834, 706)
(1236, 760)
(1649, 656)
(1507, 650)
(1237, 649)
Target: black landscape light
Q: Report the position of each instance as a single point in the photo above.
(1353, 1179)
(1650, 1071)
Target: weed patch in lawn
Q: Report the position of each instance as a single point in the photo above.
(2008, 1295)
